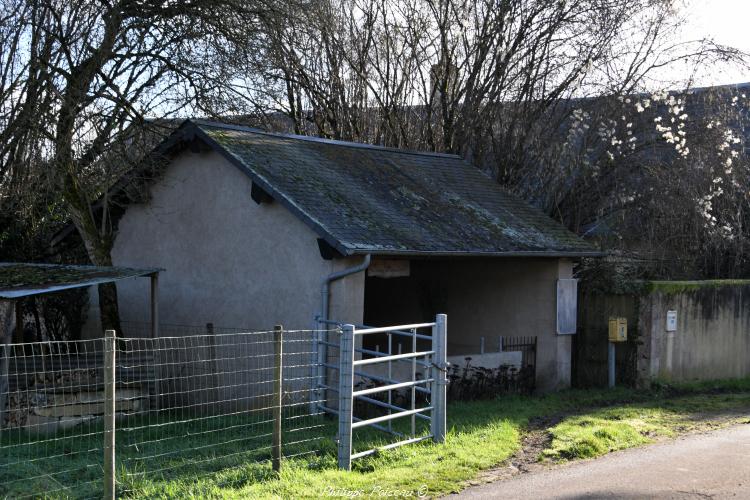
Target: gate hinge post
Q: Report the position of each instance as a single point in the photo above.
(346, 388)
(440, 381)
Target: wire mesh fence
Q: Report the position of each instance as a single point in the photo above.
(51, 443)
(185, 405)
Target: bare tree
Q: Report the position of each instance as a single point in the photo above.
(463, 76)
(540, 94)
(78, 77)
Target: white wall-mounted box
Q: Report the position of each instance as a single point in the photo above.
(671, 321)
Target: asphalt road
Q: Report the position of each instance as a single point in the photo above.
(712, 465)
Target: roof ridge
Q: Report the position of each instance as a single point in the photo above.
(335, 142)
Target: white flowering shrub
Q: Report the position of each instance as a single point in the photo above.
(664, 175)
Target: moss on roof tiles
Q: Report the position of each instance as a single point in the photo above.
(16, 277)
(388, 200)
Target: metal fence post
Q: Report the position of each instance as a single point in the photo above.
(346, 386)
(109, 414)
(439, 385)
(278, 347)
(321, 351)
(314, 383)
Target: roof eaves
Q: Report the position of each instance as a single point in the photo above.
(440, 253)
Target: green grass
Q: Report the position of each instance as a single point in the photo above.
(481, 435)
(601, 431)
(479, 440)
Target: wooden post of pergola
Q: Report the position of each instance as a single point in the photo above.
(6, 324)
(155, 334)
(18, 330)
(155, 306)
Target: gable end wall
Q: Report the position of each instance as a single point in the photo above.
(227, 260)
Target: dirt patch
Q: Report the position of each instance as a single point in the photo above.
(535, 440)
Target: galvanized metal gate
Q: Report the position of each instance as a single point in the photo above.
(351, 365)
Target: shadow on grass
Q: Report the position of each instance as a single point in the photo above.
(153, 453)
(468, 424)
(177, 455)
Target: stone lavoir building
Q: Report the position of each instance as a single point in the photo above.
(254, 228)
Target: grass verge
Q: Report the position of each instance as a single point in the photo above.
(601, 431)
(481, 435)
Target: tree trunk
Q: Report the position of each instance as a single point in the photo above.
(98, 244)
(7, 315)
(108, 307)
(99, 251)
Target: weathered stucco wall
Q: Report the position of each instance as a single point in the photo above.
(513, 297)
(487, 298)
(228, 260)
(712, 340)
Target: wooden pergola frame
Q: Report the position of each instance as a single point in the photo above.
(21, 280)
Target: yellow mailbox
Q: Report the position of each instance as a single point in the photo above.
(618, 329)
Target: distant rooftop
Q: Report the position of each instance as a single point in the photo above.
(320, 140)
(24, 279)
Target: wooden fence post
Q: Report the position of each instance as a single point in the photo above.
(155, 342)
(321, 395)
(440, 382)
(346, 386)
(278, 345)
(18, 330)
(109, 414)
(217, 389)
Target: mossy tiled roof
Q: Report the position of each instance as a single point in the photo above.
(368, 199)
(24, 279)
